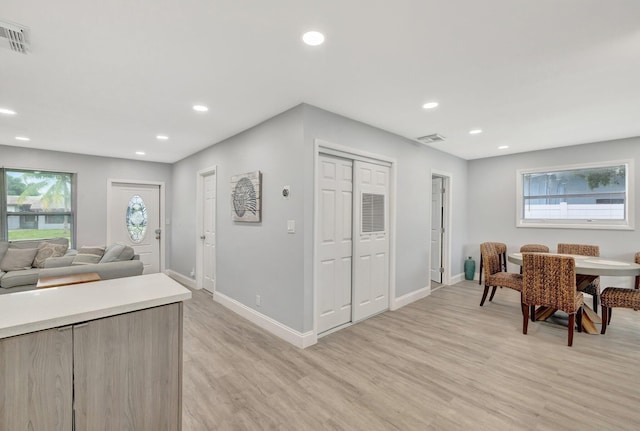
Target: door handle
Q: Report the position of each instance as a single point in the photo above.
(202, 237)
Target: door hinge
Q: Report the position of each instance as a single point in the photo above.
(441, 270)
(443, 191)
(442, 230)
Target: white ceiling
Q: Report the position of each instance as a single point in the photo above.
(105, 77)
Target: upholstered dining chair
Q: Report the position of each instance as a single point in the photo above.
(533, 248)
(592, 288)
(501, 249)
(550, 281)
(494, 275)
(617, 297)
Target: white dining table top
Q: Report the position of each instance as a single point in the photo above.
(589, 265)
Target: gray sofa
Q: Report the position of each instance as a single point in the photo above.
(118, 261)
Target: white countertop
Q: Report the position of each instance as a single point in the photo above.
(39, 309)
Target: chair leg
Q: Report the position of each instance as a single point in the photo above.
(595, 303)
(484, 295)
(504, 261)
(605, 317)
(480, 272)
(525, 318)
(637, 281)
(572, 324)
(533, 313)
(493, 292)
(579, 319)
(610, 313)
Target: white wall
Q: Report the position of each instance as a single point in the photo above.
(263, 259)
(92, 173)
(252, 258)
(492, 203)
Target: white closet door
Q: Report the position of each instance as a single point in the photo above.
(335, 248)
(371, 235)
(209, 232)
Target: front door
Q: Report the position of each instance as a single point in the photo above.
(134, 220)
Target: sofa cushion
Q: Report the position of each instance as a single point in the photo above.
(16, 259)
(47, 250)
(88, 254)
(4, 245)
(20, 278)
(117, 252)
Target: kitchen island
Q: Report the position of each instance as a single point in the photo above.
(102, 355)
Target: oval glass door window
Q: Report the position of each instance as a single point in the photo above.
(136, 219)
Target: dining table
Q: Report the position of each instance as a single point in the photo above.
(588, 268)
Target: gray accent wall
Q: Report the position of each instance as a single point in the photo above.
(92, 174)
(263, 259)
(492, 198)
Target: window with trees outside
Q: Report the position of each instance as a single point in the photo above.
(37, 205)
(596, 196)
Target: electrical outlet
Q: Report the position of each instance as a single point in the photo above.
(258, 301)
(192, 273)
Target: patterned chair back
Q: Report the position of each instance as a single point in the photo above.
(579, 249)
(491, 257)
(550, 281)
(534, 248)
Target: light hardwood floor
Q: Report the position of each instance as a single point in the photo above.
(441, 363)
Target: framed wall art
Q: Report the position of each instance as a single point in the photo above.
(246, 197)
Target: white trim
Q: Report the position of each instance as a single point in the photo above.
(162, 215)
(448, 220)
(627, 224)
(292, 336)
(325, 147)
(182, 279)
(410, 297)
(457, 279)
(199, 276)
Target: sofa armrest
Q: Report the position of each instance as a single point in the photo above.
(106, 271)
(57, 262)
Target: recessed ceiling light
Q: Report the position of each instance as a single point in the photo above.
(22, 138)
(313, 38)
(430, 105)
(200, 108)
(6, 111)
(503, 147)
(140, 153)
(162, 137)
(475, 131)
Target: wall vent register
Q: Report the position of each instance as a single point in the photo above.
(372, 213)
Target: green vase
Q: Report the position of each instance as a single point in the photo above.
(469, 268)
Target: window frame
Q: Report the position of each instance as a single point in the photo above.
(4, 214)
(626, 224)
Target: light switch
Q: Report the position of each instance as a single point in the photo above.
(291, 226)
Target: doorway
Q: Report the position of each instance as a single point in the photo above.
(206, 205)
(352, 263)
(135, 210)
(440, 271)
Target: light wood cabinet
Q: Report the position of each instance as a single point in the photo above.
(36, 381)
(116, 373)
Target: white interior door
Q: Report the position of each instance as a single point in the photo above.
(335, 197)
(208, 236)
(437, 210)
(371, 235)
(134, 219)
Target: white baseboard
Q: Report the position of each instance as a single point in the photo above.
(410, 297)
(457, 278)
(292, 336)
(182, 279)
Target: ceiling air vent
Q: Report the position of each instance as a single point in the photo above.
(430, 138)
(14, 36)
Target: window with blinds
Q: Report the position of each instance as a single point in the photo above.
(372, 213)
